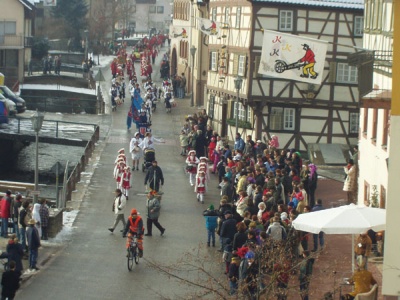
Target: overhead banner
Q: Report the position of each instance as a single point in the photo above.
(292, 57)
(178, 32)
(209, 27)
(50, 3)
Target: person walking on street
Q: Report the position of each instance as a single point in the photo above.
(24, 216)
(5, 211)
(228, 229)
(36, 217)
(350, 182)
(154, 177)
(9, 282)
(135, 150)
(182, 86)
(44, 219)
(15, 207)
(239, 143)
(153, 213)
(118, 207)
(211, 216)
(306, 269)
(318, 236)
(33, 244)
(15, 253)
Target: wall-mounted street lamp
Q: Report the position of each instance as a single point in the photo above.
(238, 86)
(192, 53)
(37, 122)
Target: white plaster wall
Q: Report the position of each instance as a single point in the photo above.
(372, 163)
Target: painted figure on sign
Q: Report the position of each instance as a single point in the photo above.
(309, 61)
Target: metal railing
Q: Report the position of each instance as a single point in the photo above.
(24, 126)
(52, 103)
(75, 175)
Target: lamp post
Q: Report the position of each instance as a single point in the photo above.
(193, 53)
(37, 121)
(86, 45)
(238, 85)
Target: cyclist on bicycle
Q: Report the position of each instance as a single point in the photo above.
(134, 226)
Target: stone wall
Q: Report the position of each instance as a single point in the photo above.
(55, 222)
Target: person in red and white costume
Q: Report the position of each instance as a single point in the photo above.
(118, 171)
(204, 164)
(192, 161)
(126, 181)
(201, 186)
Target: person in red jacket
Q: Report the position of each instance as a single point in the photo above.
(114, 68)
(309, 62)
(5, 211)
(134, 226)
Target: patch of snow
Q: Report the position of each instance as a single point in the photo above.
(55, 87)
(65, 234)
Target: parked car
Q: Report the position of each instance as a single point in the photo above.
(19, 102)
(11, 107)
(130, 42)
(3, 112)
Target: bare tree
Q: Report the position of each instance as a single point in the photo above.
(274, 262)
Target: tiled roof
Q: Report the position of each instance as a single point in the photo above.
(350, 4)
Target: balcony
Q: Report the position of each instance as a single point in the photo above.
(15, 41)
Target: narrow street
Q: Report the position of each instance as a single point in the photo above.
(93, 265)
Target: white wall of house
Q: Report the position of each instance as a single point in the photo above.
(373, 170)
(153, 15)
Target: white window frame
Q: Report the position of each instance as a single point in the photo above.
(286, 20)
(282, 118)
(238, 16)
(346, 73)
(214, 62)
(227, 15)
(214, 14)
(8, 27)
(358, 26)
(160, 8)
(152, 9)
(241, 65)
(289, 117)
(242, 112)
(249, 114)
(354, 122)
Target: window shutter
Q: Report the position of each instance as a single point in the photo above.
(235, 64)
(332, 72)
(210, 61)
(257, 61)
(230, 109)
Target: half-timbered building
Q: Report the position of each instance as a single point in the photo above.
(299, 113)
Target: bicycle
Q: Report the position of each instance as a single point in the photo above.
(133, 253)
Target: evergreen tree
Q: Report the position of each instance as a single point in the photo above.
(73, 13)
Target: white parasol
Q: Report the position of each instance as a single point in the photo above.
(347, 219)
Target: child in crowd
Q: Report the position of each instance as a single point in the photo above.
(200, 186)
(211, 216)
(184, 139)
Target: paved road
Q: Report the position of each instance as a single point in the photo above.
(93, 264)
